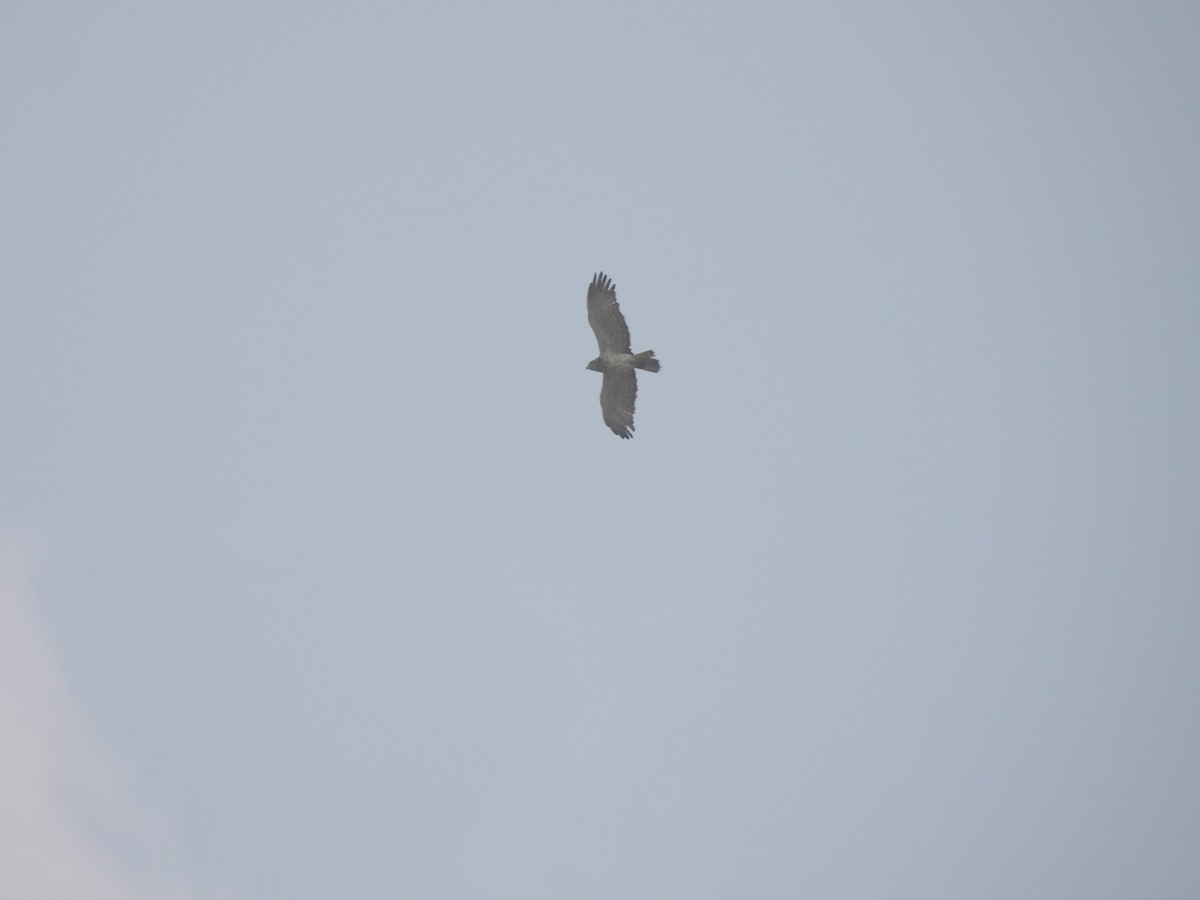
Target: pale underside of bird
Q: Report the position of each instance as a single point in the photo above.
(616, 363)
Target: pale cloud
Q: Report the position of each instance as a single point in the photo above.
(70, 826)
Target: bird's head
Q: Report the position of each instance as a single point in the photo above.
(596, 365)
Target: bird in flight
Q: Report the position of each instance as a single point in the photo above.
(616, 363)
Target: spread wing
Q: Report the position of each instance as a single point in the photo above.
(618, 390)
(612, 334)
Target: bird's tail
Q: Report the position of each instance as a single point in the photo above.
(645, 360)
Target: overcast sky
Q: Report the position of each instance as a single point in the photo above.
(322, 577)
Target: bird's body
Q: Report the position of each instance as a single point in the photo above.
(618, 390)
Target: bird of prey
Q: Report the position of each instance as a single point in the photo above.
(618, 365)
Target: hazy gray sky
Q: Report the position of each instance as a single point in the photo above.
(322, 577)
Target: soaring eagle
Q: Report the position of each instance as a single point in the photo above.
(619, 387)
